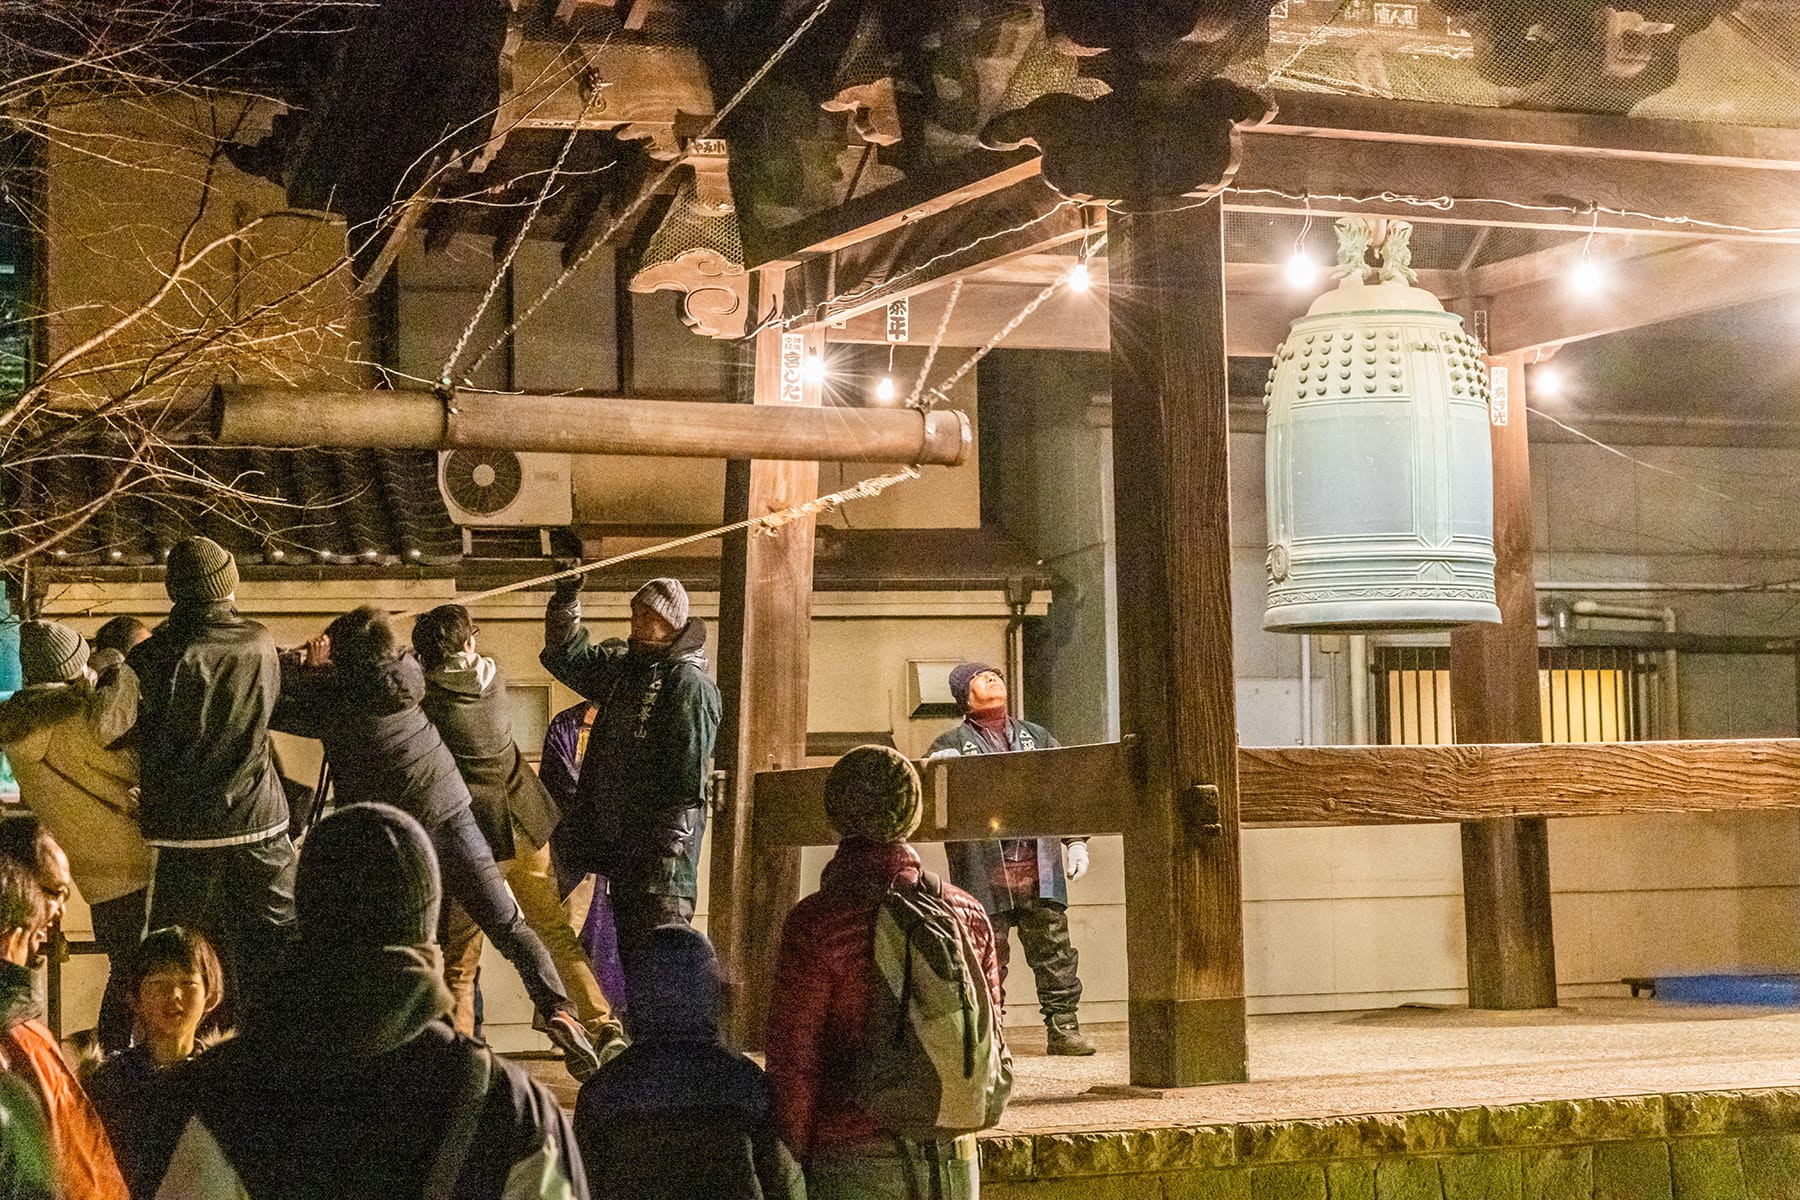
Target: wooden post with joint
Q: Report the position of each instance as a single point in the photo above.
(765, 607)
(1183, 901)
(1494, 697)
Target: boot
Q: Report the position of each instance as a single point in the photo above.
(1065, 1036)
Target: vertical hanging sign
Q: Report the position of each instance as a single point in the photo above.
(1498, 389)
(899, 319)
(793, 362)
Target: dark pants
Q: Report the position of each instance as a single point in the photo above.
(1043, 927)
(635, 914)
(472, 878)
(242, 897)
(118, 927)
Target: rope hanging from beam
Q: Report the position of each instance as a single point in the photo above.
(767, 524)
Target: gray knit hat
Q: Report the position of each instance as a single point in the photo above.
(666, 598)
(368, 877)
(873, 793)
(200, 569)
(51, 652)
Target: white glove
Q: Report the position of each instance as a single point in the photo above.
(1075, 858)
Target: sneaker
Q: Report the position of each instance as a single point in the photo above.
(1065, 1037)
(609, 1040)
(566, 1034)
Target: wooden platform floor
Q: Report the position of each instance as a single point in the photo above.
(1405, 1059)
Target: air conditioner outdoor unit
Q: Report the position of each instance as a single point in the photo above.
(486, 488)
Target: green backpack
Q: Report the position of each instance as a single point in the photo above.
(935, 1064)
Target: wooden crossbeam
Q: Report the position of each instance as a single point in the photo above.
(1091, 789)
(1389, 785)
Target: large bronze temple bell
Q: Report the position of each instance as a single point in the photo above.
(1380, 475)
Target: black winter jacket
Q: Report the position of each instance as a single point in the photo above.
(208, 683)
(467, 702)
(640, 806)
(351, 1090)
(678, 1118)
(382, 749)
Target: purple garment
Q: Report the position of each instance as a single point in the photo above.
(559, 769)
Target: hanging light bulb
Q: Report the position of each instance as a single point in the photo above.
(884, 390)
(1547, 381)
(1587, 276)
(1302, 271)
(1078, 276)
(814, 370)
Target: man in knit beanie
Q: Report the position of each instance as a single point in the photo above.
(680, 1114)
(640, 799)
(350, 1082)
(212, 801)
(62, 734)
(823, 994)
(1022, 883)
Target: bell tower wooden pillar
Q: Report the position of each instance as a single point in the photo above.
(765, 612)
(1183, 897)
(1494, 698)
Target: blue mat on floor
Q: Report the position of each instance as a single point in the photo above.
(1763, 991)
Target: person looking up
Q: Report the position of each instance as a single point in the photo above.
(211, 801)
(85, 1165)
(1021, 882)
(357, 689)
(466, 699)
(61, 732)
(640, 810)
(172, 982)
(352, 1085)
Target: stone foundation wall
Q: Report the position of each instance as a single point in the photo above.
(1681, 1146)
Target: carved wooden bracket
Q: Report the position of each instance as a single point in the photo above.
(698, 251)
(1136, 152)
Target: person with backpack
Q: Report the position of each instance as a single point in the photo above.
(884, 1043)
(351, 1084)
(1021, 882)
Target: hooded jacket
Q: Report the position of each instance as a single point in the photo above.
(978, 867)
(208, 681)
(61, 741)
(640, 809)
(819, 1003)
(351, 1089)
(466, 699)
(28, 1050)
(382, 747)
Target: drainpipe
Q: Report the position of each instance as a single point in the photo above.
(1018, 600)
(1671, 685)
(1306, 705)
(1358, 666)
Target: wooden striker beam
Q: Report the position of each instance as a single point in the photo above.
(1184, 924)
